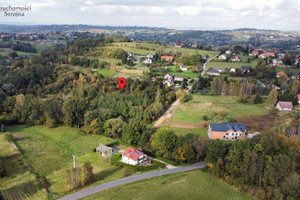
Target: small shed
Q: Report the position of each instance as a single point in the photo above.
(105, 150)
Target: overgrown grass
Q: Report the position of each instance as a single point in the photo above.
(194, 110)
(187, 185)
(186, 74)
(107, 72)
(185, 131)
(19, 182)
(230, 64)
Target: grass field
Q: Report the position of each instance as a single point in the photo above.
(19, 182)
(186, 74)
(185, 131)
(4, 53)
(287, 69)
(200, 105)
(107, 72)
(49, 153)
(230, 64)
(187, 185)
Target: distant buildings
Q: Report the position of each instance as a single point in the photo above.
(227, 131)
(183, 67)
(232, 70)
(266, 55)
(279, 74)
(179, 78)
(222, 57)
(246, 69)
(147, 61)
(235, 58)
(213, 72)
(277, 61)
(298, 96)
(284, 106)
(134, 157)
(167, 58)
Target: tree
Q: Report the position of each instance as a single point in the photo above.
(163, 142)
(114, 127)
(72, 178)
(74, 110)
(126, 171)
(258, 99)
(296, 87)
(272, 98)
(133, 132)
(87, 174)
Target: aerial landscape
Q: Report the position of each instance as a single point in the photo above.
(149, 100)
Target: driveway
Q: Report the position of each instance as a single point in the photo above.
(166, 115)
(108, 185)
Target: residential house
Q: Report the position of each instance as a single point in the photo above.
(195, 45)
(147, 61)
(167, 58)
(168, 82)
(277, 61)
(279, 74)
(221, 70)
(266, 55)
(284, 106)
(178, 45)
(232, 70)
(275, 87)
(235, 58)
(204, 57)
(298, 96)
(134, 157)
(213, 72)
(149, 55)
(105, 150)
(179, 78)
(228, 52)
(227, 131)
(254, 53)
(246, 69)
(183, 67)
(296, 75)
(168, 76)
(222, 57)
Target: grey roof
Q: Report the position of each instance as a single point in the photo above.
(224, 127)
(246, 67)
(103, 148)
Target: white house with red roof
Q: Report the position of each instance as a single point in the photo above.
(279, 74)
(133, 156)
(298, 96)
(284, 106)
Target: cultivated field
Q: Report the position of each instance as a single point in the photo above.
(187, 185)
(19, 182)
(218, 108)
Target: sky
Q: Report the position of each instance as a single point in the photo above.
(182, 14)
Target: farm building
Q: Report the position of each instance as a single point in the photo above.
(227, 131)
(134, 157)
(284, 106)
(105, 150)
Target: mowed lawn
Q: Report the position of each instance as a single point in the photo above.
(186, 74)
(19, 182)
(49, 152)
(187, 185)
(107, 72)
(194, 110)
(185, 131)
(230, 64)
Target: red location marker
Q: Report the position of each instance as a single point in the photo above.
(122, 83)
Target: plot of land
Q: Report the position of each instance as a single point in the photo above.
(229, 64)
(19, 182)
(49, 153)
(183, 131)
(224, 108)
(187, 185)
(186, 74)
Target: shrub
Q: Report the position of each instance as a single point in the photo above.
(8, 137)
(126, 171)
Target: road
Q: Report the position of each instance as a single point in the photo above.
(204, 66)
(111, 184)
(166, 115)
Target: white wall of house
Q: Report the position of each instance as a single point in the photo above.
(283, 109)
(129, 161)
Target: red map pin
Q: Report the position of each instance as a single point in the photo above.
(122, 83)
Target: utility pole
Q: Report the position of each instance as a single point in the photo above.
(74, 165)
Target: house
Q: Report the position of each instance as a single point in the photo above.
(254, 53)
(275, 87)
(232, 70)
(296, 75)
(279, 74)
(167, 58)
(168, 76)
(235, 58)
(227, 131)
(204, 57)
(133, 156)
(246, 69)
(178, 45)
(228, 52)
(284, 106)
(213, 72)
(183, 67)
(149, 55)
(147, 61)
(179, 78)
(298, 96)
(221, 70)
(277, 61)
(168, 82)
(195, 45)
(222, 57)
(266, 55)
(105, 150)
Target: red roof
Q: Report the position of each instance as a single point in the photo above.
(298, 97)
(132, 153)
(166, 57)
(280, 73)
(285, 104)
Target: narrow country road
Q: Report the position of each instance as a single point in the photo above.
(99, 188)
(166, 115)
(204, 66)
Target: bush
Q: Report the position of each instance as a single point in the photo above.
(126, 171)
(8, 137)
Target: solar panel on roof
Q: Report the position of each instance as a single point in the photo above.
(137, 152)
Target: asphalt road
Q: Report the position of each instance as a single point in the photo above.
(99, 188)
(204, 66)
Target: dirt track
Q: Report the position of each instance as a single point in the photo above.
(166, 115)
